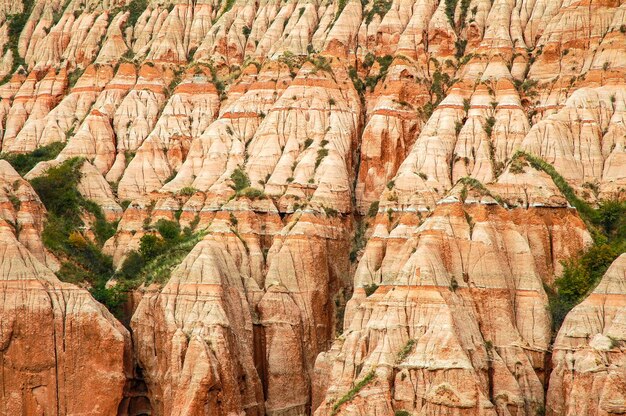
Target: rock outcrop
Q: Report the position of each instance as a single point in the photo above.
(56, 341)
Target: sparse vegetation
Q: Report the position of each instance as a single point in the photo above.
(82, 260)
(24, 162)
(321, 63)
(187, 191)
(321, 154)
(73, 76)
(476, 185)
(358, 242)
(405, 351)
(135, 9)
(353, 392)
(373, 209)
(370, 289)
(383, 62)
(380, 8)
(159, 253)
(581, 274)
(16, 23)
(252, 193)
(489, 123)
(517, 166)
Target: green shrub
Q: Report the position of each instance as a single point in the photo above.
(373, 209)
(240, 180)
(370, 289)
(253, 193)
(169, 230)
(321, 154)
(151, 246)
(187, 191)
(24, 162)
(135, 9)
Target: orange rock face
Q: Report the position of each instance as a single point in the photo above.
(56, 341)
(372, 236)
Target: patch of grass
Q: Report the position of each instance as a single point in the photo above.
(353, 392)
(586, 212)
(517, 166)
(450, 11)
(24, 162)
(340, 6)
(383, 62)
(252, 193)
(321, 63)
(321, 154)
(489, 123)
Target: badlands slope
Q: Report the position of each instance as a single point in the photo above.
(368, 228)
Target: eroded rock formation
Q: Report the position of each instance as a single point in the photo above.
(371, 232)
